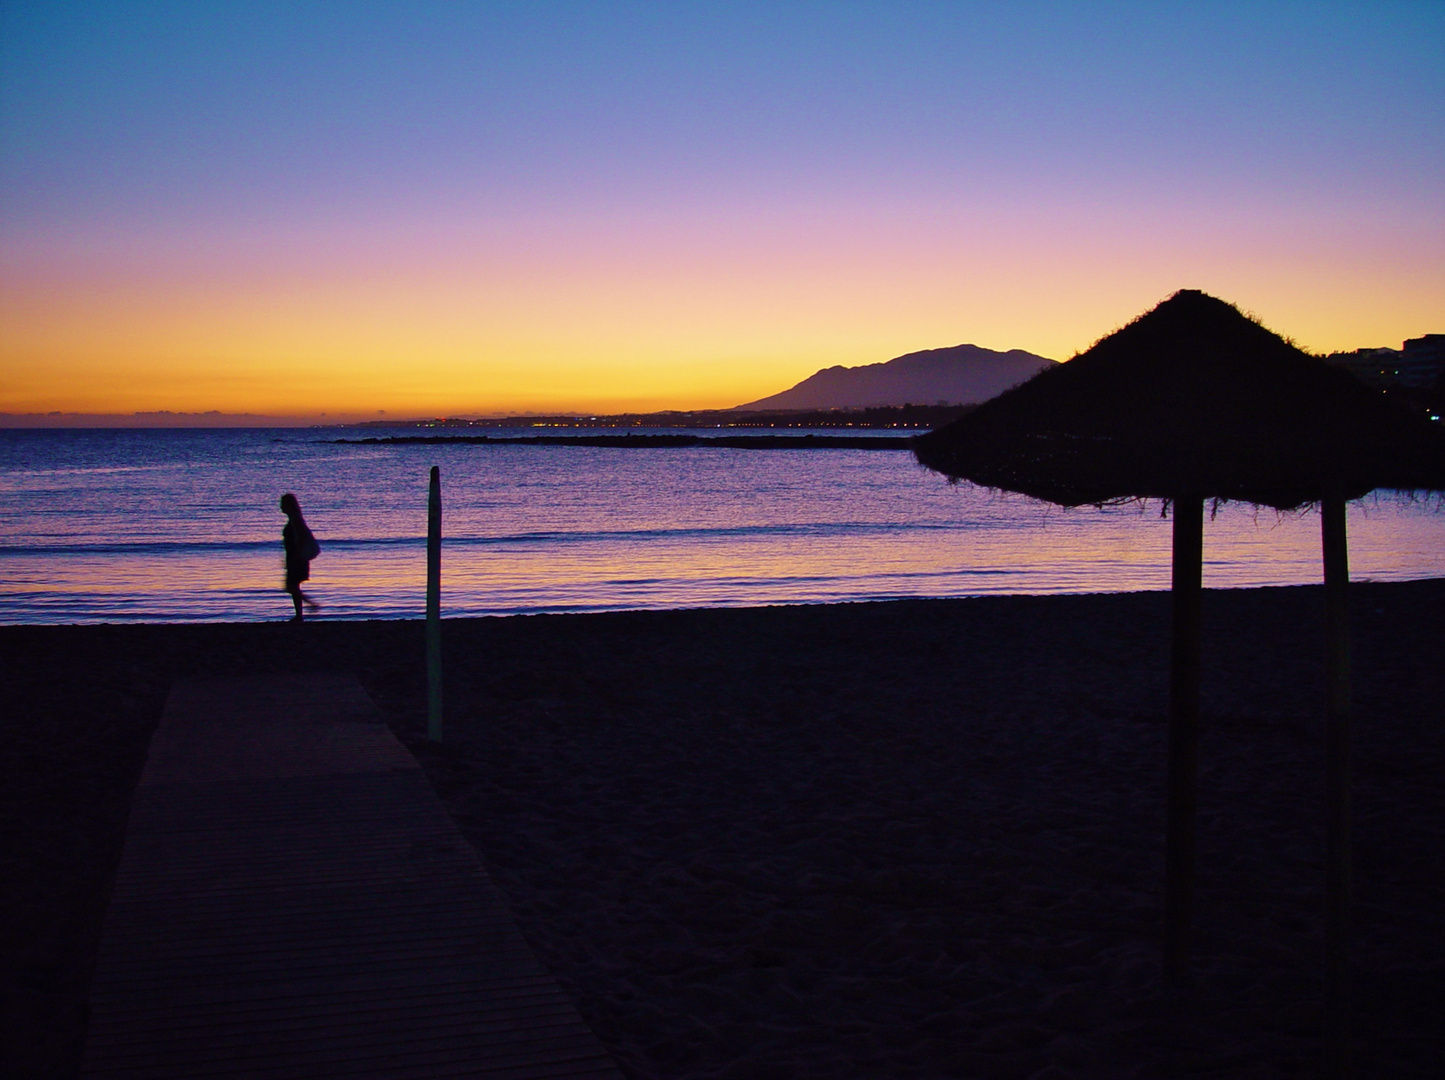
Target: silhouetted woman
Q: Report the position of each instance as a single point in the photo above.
(301, 548)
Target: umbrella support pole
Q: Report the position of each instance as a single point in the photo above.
(1183, 736)
(1337, 785)
(434, 607)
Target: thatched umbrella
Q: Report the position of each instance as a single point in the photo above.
(1195, 401)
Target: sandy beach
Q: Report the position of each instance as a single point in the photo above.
(904, 839)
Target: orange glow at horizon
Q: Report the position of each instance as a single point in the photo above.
(465, 315)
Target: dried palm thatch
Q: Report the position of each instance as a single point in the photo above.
(1194, 401)
(1192, 398)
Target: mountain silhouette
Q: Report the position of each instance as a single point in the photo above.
(961, 375)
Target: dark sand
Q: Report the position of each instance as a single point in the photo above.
(905, 839)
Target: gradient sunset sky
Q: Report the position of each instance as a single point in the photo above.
(459, 209)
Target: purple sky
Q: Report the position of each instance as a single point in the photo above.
(457, 207)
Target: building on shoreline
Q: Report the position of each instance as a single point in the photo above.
(1422, 361)
(1419, 364)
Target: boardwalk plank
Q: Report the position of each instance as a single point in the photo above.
(294, 901)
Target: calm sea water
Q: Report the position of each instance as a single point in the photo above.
(120, 526)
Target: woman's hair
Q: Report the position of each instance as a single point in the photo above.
(289, 506)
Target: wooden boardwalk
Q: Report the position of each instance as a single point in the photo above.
(293, 901)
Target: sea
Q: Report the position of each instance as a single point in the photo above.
(119, 526)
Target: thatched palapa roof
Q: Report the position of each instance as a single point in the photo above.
(1192, 398)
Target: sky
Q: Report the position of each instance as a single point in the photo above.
(471, 208)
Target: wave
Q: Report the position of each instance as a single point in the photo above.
(816, 530)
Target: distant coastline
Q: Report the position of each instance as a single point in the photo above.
(159, 420)
(630, 441)
(916, 417)
(910, 417)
